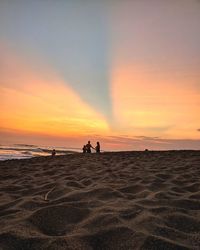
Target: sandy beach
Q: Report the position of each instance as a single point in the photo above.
(123, 200)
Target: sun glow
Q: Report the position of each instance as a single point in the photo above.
(44, 104)
(154, 104)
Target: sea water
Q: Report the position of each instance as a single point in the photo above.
(25, 151)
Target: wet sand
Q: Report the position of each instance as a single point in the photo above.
(124, 200)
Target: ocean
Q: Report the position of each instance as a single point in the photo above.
(25, 151)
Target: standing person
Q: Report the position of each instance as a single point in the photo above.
(97, 148)
(88, 147)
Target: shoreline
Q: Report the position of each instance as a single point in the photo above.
(66, 153)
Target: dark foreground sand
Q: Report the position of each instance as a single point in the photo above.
(129, 200)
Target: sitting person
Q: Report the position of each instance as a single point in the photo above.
(84, 149)
(53, 153)
(97, 148)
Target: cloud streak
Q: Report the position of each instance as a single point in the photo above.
(108, 143)
(152, 143)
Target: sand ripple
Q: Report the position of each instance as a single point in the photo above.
(129, 200)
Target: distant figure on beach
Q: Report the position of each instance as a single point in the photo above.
(97, 148)
(88, 147)
(53, 152)
(84, 149)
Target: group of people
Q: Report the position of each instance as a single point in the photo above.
(87, 148)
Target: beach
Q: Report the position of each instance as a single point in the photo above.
(121, 200)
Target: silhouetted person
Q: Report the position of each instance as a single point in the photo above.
(88, 147)
(97, 148)
(84, 149)
(53, 153)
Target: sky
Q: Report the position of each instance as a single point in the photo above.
(125, 73)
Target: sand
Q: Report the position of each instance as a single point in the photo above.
(124, 200)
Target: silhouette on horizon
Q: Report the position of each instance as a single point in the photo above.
(53, 153)
(88, 147)
(84, 149)
(97, 148)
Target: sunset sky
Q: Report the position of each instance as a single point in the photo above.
(126, 73)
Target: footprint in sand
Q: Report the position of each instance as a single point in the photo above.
(58, 220)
